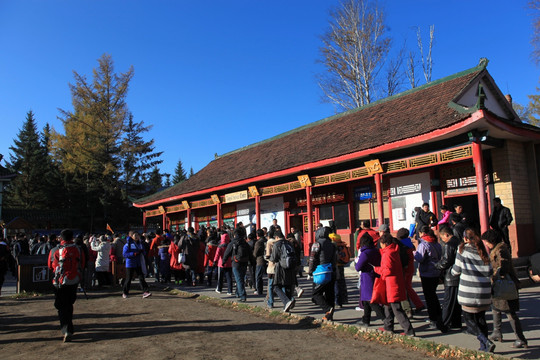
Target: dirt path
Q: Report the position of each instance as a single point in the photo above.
(166, 326)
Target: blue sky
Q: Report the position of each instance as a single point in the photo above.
(213, 76)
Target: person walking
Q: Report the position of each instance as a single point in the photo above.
(391, 275)
(323, 251)
(427, 254)
(284, 259)
(369, 258)
(474, 290)
(66, 261)
(260, 270)
(451, 310)
(224, 267)
(102, 247)
(501, 261)
(135, 264)
(240, 253)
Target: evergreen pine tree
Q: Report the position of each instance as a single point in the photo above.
(179, 173)
(137, 157)
(28, 160)
(154, 182)
(191, 173)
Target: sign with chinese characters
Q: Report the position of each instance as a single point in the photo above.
(406, 189)
(363, 193)
(373, 167)
(304, 180)
(318, 199)
(253, 191)
(236, 196)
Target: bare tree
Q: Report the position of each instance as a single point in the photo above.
(411, 70)
(394, 73)
(535, 41)
(354, 51)
(427, 61)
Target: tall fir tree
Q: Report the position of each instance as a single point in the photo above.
(28, 160)
(179, 173)
(191, 173)
(89, 150)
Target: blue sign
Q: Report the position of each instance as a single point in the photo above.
(363, 193)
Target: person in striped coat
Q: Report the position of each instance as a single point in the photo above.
(474, 291)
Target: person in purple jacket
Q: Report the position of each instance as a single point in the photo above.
(368, 258)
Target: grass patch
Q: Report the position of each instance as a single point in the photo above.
(25, 295)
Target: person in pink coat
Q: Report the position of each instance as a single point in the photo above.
(224, 269)
(391, 274)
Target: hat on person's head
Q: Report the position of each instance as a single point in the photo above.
(384, 227)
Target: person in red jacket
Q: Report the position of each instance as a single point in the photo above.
(391, 273)
(153, 253)
(366, 228)
(66, 261)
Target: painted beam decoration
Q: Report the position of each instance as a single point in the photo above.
(161, 209)
(215, 199)
(374, 167)
(186, 204)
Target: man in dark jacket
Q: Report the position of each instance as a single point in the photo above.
(425, 218)
(451, 310)
(260, 270)
(323, 251)
(189, 245)
(240, 252)
(501, 217)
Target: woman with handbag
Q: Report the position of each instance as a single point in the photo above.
(474, 269)
(505, 301)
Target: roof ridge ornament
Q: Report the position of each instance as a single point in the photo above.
(483, 62)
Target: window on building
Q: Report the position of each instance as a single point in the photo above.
(338, 212)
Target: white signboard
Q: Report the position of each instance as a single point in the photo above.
(271, 209)
(245, 213)
(236, 196)
(408, 192)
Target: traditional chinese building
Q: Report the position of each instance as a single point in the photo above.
(454, 140)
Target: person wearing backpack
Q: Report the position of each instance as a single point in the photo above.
(323, 251)
(66, 262)
(284, 258)
(240, 253)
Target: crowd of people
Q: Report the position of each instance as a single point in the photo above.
(466, 264)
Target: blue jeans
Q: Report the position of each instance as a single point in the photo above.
(271, 290)
(240, 275)
(259, 283)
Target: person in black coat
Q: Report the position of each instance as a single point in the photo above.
(425, 218)
(451, 310)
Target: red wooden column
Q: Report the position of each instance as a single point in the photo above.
(258, 211)
(479, 170)
(380, 203)
(188, 224)
(219, 216)
(309, 240)
(144, 221)
(164, 221)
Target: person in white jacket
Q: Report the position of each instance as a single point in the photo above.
(102, 247)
